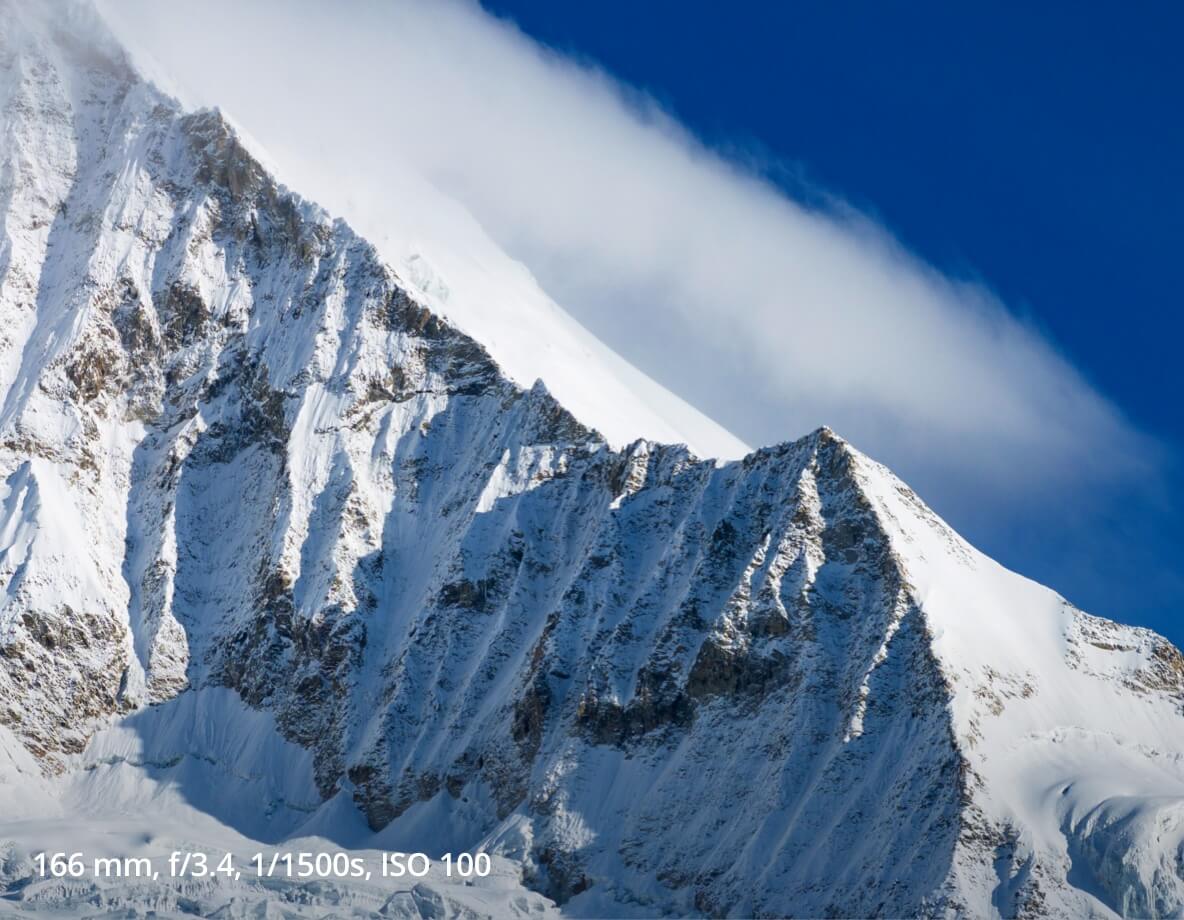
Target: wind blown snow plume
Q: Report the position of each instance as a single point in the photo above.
(449, 139)
(748, 298)
(287, 560)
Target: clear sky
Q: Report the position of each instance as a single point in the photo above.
(1037, 148)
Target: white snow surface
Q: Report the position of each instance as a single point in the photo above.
(1076, 747)
(455, 268)
(450, 262)
(287, 562)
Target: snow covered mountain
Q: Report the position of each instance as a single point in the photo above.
(286, 557)
(445, 258)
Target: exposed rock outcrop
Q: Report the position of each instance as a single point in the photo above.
(237, 453)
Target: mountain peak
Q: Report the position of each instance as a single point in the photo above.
(285, 553)
(71, 35)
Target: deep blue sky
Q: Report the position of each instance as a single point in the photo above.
(1038, 148)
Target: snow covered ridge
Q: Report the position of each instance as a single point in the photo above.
(285, 556)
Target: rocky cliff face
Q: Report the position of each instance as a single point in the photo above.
(238, 455)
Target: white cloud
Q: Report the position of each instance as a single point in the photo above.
(772, 317)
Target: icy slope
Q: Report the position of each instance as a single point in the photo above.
(1072, 729)
(284, 555)
(452, 265)
(164, 781)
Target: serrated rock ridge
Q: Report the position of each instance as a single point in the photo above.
(241, 462)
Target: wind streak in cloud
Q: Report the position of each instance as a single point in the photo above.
(771, 316)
